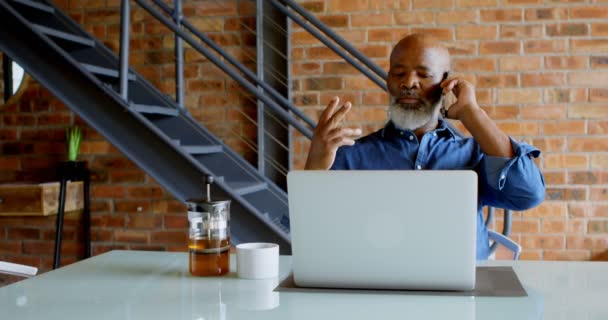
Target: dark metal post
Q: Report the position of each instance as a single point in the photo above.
(59, 222)
(179, 57)
(86, 211)
(260, 74)
(7, 71)
(125, 26)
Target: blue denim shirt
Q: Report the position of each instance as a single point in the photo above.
(511, 183)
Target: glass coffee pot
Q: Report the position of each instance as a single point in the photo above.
(209, 235)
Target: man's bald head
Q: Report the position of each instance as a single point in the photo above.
(421, 45)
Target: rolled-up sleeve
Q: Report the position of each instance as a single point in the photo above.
(512, 183)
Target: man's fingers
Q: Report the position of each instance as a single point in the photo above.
(341, 141)
(449, 85)
(340, 115)
(343, 132)
(329, 111)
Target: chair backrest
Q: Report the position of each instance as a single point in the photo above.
(502, 238)
(17, 269)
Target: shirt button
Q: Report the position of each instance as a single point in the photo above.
(418, 167)
(400, 132)
(434, 134)
(411, 138)
(502, 177)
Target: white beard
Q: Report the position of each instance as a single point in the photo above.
(409, 118)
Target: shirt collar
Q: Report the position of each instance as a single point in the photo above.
(442, 130)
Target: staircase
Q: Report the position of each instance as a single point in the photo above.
(147, 127)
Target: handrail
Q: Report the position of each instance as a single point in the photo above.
(239, 65)
(381, 82)
(232, 73)
(335, 37)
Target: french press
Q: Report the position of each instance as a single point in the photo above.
(209, 234)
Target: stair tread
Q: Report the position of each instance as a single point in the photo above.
(36, 5)
(64, 35)
(108, 72)
(150, 109)
(246, 187)
(201, 149)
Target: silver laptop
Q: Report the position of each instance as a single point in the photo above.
(412, 230)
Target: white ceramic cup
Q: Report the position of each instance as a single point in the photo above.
(257, 260)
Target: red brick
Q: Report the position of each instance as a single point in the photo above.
(502, 112)
(566, 193)
(23, 233)
(598, 127)
(545, 46)
(146, 192)
(106, 220)
(347, 5)
(587, 111)
(586, 242)
(497, 81)
(10, 247)
(598, 226)
(499, 47)
(371, 20)
(338, 21)
(512, 96)
(563, 127)
(543, 79)
(442, 34)
(588, 12)
(599, 62)
(567, 30)
(570, 161)
(543, 242)
(525, 226)
(132, 236)
(107, 191)
(476, 3)
(175, 221)
(565, 95)
(544, 112)
(553, 178)
(173, 237)
(410, 18)
(428, 4)
(566, 255)
(559, 13)
(130, 206)
(501, 15)
(474, 64)
(465, 48)
(139, 221)
(599, 29)
(102, 235)
(475, 32)
(314, 6)
(519, 63)
(521, 31)
(588, 45)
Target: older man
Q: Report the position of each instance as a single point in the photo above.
(416, 136)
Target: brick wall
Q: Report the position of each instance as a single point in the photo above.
(539, 68)
(129, 209)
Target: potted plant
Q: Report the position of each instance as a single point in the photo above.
(72, 168)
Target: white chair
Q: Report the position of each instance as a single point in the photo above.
(17, 269)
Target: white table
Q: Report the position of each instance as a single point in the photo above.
(156, 285)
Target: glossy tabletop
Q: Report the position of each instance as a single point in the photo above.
(156, 285)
